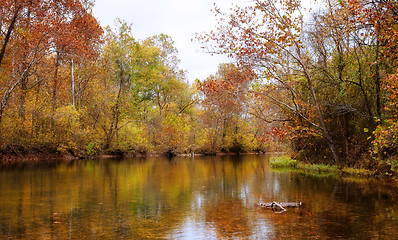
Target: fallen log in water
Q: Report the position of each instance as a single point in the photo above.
(280, 205)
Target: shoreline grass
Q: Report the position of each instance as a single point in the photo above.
(287, 163)
(283, 162)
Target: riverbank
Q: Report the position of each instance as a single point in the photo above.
(33, 157)
(281, 163)
(284, 162)
(15, 159)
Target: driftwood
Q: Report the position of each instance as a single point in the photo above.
(280, 205)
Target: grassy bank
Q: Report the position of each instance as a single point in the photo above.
(317, 169)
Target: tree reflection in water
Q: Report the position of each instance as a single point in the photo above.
(203, 198)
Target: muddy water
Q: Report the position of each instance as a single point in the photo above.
(189, 198)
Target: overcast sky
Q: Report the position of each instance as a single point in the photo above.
(180, 19)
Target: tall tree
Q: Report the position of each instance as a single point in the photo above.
(171, 79)
(32, 30)
(268, 37)
(129, 69)
(224, 103)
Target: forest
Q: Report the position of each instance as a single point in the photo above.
(321, 86)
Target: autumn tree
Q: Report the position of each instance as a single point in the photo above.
(170, 100)
(380, 17)
(268, 37)
(225, 104)
(126, 67)
(32, 30)
(33, 34)
(170, 81)
(342, 52)
(324, 75)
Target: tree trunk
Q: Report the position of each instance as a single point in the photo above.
(24, 88)
(9, 32)
(324, 128)
(55, 89)
(1, 112)
(73, 85)
(113, 129)
(377, 79)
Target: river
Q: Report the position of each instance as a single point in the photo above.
(201, 197)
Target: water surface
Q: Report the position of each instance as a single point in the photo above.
(209, 197)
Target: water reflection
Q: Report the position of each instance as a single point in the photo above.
(186, 198)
